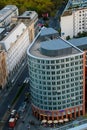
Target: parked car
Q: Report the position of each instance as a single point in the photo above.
(13, 112)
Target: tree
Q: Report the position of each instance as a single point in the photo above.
(68, 37)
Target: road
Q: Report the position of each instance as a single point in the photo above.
(8, 98)
(17, 105)
(54, 21)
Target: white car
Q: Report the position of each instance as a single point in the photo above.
(13, 112)
(26, 80)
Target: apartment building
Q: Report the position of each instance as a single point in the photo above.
(57, 77)
(74, 18)
(6, 14)
(15, 43)
(3, 69)
(30, 19)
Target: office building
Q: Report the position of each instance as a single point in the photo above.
(6, 15)
(15, 43)
(30, 19)
(57, 77)
(74, 18)
(81, 43)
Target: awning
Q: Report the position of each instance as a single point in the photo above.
(65, 119)
(55, 121)
(44, 121)
(43, 115)
(50, 122)
(61, 121)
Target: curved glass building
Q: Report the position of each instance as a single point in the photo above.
(56, 71)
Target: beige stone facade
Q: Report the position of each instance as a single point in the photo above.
(3, 69)
(30, 25)
(30, 19)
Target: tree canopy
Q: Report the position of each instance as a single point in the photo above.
(40, 6)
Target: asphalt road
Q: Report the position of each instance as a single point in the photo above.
(17, 105)
(54, 21)
(10, 96)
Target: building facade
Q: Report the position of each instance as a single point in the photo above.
(30, 19)
(56, 71)
(75, 16)
(3, 69)
(15, 44)
(6, 14)
(81, 43)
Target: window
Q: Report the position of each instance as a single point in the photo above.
(67, 59)
(52, 62)
(62, 66)
(47, 67)
(52, 67)
(48, 83)
(62, 60)
(67, 70)
(63, 92)
(67, 65)
(53, 83)
(57, 67)
(53, 78)
(53, 72)
(76, 57)
(63, 76)
(72, 63)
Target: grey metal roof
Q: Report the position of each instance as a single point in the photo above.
(1, 30)
(48, 31)
(55, 44)
(28, 14)
(6, 11)
(79, 41)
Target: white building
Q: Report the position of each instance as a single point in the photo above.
(15, 44)
(6, 14)
(74, 19)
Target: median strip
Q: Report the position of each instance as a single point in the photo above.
(18, 94)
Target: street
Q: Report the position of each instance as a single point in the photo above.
(10, 94)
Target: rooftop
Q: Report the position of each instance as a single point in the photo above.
(1, 30)
(10, 37)
(79, 41)
(6, 11)
(28, 14)
(74, 5)
(50, 45)
(47, 31)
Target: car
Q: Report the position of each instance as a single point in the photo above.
(13, 112)
(26, 80)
